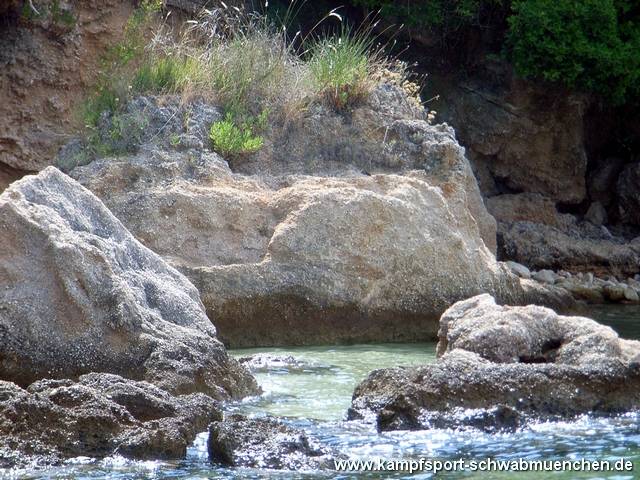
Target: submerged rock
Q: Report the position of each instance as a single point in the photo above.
(526, 359)
(97, 416)
(79, 294)
(267, 362)
(238, 441)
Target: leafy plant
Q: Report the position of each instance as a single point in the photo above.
(230, 137)
(590, 45)
(340, 67)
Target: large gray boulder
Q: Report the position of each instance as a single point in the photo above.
(79, 294)
(506, 364)
(305, 259)
(97, 416)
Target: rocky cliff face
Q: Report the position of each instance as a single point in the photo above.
(47, 66)
(529, 145)
(520, 137)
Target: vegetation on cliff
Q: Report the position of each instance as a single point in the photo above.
(589, 45)
(260, 74)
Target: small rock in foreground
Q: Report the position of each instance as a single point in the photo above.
(265, 443)
(97, 416)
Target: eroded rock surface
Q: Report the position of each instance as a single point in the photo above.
(304, 259)
(519, 136)
(98, 415)
(356, 228)
(79, 294)
(238, 441)
(503, 363)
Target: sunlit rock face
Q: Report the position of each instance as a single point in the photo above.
(353, 228)
(79, 294)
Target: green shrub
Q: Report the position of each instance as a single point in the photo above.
(230, 137)
(443, 17)
(105, 99)
(589, 44)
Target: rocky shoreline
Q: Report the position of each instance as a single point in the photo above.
(585, 286)
(121, 283)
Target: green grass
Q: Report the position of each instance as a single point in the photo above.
(164, 75)
(243, 64)
(341, 67)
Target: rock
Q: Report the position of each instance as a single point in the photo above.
(575, 246)
(530, 137)
(499, 358)
(596, 214)
(79, 294)
(97, 416)
(329, 243)
(528, 207)
(545, 276)
(336, 258)
(519, 270)
(536, 293)
(631, 295)
(146, 119)
(267, 362)
(265, 443)
(628, 194)
(615, 293)
(602, 182)
(584, 291)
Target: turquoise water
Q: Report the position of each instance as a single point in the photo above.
(316, 396)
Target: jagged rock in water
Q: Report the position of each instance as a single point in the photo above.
(79, 294)
(238, 441)
(526, 359)
(97, 416)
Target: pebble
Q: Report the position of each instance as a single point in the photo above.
(586, 286)
(631, 295)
